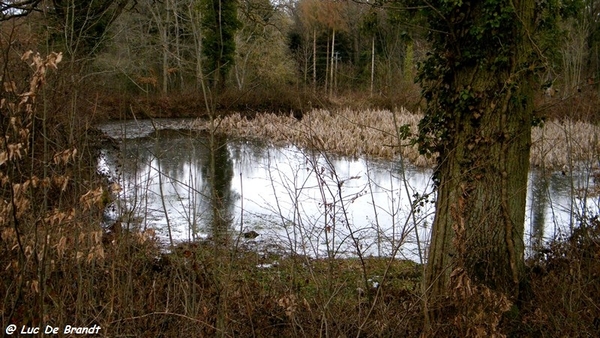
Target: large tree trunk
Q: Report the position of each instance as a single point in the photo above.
(481, 199)
(479, 119)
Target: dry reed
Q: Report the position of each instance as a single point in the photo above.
(344, 132)
(560, 144)
(371, 133)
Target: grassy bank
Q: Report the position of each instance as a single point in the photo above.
(132, 289)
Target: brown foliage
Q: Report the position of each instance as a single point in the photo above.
(565, 286)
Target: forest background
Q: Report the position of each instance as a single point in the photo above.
(152, 57)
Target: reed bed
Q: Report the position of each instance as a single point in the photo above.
(372, 133)
(345, 132)
(562, 144)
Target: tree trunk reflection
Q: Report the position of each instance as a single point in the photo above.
(217, 172)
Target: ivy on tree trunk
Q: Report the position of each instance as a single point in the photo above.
(220, 23)
(479, 84)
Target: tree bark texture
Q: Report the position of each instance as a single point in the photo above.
(479, 87)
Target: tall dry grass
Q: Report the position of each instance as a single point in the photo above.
(373, 133)
(346, 132)
(561, 143)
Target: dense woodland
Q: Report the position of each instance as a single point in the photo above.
(481, 74)
(268, 55)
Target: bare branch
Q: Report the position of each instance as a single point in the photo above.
(14, 9)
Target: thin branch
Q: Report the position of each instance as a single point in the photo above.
(14, 9)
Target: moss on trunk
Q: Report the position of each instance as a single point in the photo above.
(479, 88)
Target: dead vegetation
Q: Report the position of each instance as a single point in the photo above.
(563, 143)
(60, 267)
(556, 145)
(346, 132)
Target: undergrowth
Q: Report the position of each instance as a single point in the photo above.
(564, 286)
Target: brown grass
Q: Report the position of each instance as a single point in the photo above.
(562, 143)
(564, 287)
(345, 132)
(372, 133)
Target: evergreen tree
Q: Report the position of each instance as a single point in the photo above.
(220, 23)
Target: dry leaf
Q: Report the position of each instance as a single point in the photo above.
(26, 55)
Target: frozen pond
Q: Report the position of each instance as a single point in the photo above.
(188, 186)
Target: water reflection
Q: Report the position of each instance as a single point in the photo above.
(217, 172)
(539, 204)
(556, 202)
(163, 176)
(191, 186)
